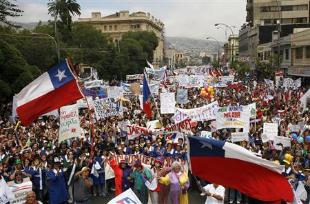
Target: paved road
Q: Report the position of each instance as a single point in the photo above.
(194, 198)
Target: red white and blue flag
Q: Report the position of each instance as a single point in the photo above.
(53, 89)
(146, 98)
(235, 167)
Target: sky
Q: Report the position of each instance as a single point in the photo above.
(182, 18)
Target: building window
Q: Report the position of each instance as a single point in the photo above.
(307, 51)
(115, 27)
(110, 28)
(299, 52)
(105, 28)
(287, 54)
(299, 20)
(287, 8)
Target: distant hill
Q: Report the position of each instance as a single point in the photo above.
(192, 46)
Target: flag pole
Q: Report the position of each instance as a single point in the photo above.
(16, 126)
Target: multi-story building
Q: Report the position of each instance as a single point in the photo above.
(117, 24)
(266, 16)
(300, 58)
(233, 48)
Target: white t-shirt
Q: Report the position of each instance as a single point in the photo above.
(220, 190)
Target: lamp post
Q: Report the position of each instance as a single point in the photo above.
(54, 40)
(232, 33)
(218, 49)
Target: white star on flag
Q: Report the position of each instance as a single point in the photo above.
(205, 144)
(61, 75)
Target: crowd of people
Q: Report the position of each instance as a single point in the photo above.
(74, 171)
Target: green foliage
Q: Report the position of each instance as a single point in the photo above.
(264, 69)
(215, 63)
(8, 9)
(241, 68)
(15, 72)
(206, 60)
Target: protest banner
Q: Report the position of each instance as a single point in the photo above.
(20, 191)
(195, 81)
(167, 103)
(134, 77)
(115, 92)
(182, 96)
(107, 107)
(156, 74)
(269, 83)
(204, 113)
(239, 136)
(280, 142)
(69, 123)
(227, 79)
(270, 130)
(233, 117)
(127, 197)
(135, 131)
(108, 172)
(184, 125)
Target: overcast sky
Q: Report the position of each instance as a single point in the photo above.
(184, 18)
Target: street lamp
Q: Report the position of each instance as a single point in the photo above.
(55, 42)
(218, 49)
(232, 33)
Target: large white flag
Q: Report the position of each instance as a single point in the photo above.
(128, 197)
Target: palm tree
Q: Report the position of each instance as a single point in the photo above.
(65, 9)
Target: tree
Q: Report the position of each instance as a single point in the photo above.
(65, 9)
(241, 68)
(15, 72)
(8, 9)
(264, 69)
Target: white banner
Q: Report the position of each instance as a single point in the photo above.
(107, 107)
(115, 92)
(233, 117)
(183, 80)
(239, 136)
(20, 191)
(108, 172)
(69, 123)
(227, 79)
(167, 103)
(278, 140)
(270, 131)
(204, 113)
(252, 108)
(127, 197)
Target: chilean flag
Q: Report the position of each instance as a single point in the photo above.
(53, 89)
(146, 98)
(233, 166)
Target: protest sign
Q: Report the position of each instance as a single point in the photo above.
(115, 92)
(182, 96)
(195, 81)
(107, 107)
(69, 123)
(269, 83)
(294, 128)
(167, 103)
(127, 197)
(135, 131)
(154, 87)
(20, 191)
(183, 80)
(134, 77)
(204, 113)
(184, 125)
(278, 140)
(252, 109)
(239, 136)
(108, 172)
(153, 125)
(233, 117)
(227, 79)
(270, 130)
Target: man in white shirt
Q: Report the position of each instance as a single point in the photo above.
(215, 194)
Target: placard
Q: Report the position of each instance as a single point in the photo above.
(285, 141)
(107, 107)
(167, 103)
(69, 123)
(270, 130)
(115, 92)
(182, 96)
(20, 191)
(233, 117)
(239, 136)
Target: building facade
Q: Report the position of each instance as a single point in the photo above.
(232, 48)
(300, 57)
(117, 24)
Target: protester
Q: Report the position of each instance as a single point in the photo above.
(33, 150)
(31, 198)
(215, 194)
(82, 185)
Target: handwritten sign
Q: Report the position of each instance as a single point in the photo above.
(239, 136)
(69, 123)
(107, 107)
(270, 130)
(233, 117)
(167, 103)
(20, 191)
(280, 141)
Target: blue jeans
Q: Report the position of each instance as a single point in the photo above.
(234, 195)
